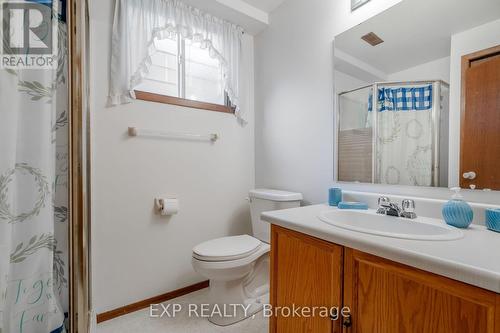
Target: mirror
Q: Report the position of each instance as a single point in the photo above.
(403, 83)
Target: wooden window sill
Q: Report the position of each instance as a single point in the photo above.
(157, 98)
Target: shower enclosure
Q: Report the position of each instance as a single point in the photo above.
(394, 133)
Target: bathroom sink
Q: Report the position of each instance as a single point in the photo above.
(421, 228)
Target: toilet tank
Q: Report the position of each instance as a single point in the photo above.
(264, 200)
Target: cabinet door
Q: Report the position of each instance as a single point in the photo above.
(306, 272)
(386, 297)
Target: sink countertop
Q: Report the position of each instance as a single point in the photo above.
(473, 259)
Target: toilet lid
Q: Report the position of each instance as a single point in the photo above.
(226, 248)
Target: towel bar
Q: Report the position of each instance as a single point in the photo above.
(134, 131)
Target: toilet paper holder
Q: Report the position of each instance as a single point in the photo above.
(167, 206)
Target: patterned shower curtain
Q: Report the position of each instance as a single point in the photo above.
(404, 148)
(34, 197)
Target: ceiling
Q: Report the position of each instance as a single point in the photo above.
(415, 32)
(265, 5)
(252, 15)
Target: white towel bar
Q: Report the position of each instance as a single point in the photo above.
(134, 131)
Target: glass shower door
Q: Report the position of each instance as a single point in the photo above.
(394, 133)
(355, 136)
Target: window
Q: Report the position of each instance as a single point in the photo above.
(182, 73)
(163, 77)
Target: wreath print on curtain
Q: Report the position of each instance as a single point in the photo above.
(34, 197)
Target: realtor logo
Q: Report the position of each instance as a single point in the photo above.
(28, 34)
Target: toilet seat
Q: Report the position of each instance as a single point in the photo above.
(232, 264)
(227, 248)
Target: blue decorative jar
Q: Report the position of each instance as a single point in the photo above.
(493, 219)
(334, 196)
(457, 212)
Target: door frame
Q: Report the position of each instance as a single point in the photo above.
(79, 170)
(466, 60)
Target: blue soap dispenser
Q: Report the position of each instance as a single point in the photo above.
(457, 212)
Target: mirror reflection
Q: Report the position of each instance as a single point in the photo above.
(402, 87)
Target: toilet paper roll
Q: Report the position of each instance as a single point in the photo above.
(168, 207)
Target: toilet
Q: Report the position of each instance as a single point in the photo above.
(238, 266)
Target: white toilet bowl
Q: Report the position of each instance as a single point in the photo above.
(238, 266)
(239, 283)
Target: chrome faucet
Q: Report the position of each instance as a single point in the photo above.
(383, 202)
(386, 207)
(408, 206)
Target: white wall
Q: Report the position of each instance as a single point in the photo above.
(294, 100)
(345, 82)
(295, 93)
(137, 254)
(438, 69)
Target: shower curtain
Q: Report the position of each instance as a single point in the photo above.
(34, 196)
(404, 149)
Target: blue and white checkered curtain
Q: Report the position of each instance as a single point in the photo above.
(404, 150)
(403, 99)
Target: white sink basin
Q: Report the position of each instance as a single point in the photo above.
(421, 228)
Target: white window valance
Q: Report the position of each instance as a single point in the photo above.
(138, 22)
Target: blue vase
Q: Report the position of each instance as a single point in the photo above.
(458, 213)
(493, 219)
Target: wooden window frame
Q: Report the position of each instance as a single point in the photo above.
(165, 99)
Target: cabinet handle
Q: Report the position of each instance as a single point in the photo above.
(347, 322)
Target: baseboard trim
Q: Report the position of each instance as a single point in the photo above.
(153, 300)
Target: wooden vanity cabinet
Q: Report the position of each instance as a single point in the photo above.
(388, 297)
(383, 296)
(305, 272)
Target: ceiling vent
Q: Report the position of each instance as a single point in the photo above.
(372, 39)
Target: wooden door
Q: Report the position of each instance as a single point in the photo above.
(386, 297)
(305, 272)
(480, 137)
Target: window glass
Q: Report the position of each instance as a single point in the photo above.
(163, 76)
(183, 69)
(203, 75)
